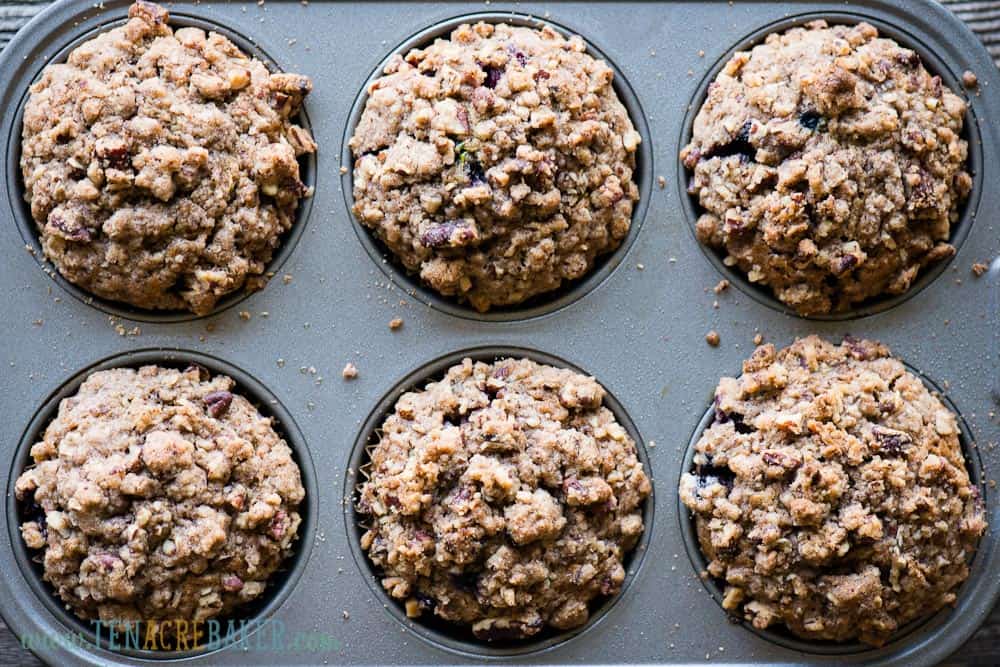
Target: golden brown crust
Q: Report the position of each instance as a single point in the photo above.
(497, 163)
(161, 166)
(503, 497)
(831, 494)
(159, 494)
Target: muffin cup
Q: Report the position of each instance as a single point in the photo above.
(430, 628)
(540, 304)
(17, 95)
(970, 132)
(920, 630)
(280, 586)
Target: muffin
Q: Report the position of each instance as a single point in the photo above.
(158, 494)
(830, 494)
(497, 164)
(161, 166)
(503, 498)
(829, 166)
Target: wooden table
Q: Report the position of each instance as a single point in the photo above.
(984, 18)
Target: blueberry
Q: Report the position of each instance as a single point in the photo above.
(891, 443)
(438, 234)
(117, 156)
(32, 511)
(739, 145)
(279, 524)
(908, 58)
(493, 75)
(466, 581)
(846, 263)
(722, 417)
(773, 458)
(477, 175)
(517, 54)
(473, 167)
(860, 349)
(454, 233)
(426, 602)
(71, 230)
(810, 120)
(710, 474)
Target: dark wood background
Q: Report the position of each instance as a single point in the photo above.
(982, 16)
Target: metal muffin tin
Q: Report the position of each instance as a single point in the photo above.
(638, 326)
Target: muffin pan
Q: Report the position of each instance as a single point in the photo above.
(638, 324)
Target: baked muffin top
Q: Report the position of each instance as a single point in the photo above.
(161, 165)
(503, 498)
(497, 163)
(830, 494)
(829, 165)
(159, 494)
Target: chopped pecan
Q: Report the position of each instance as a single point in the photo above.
(218, 403)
